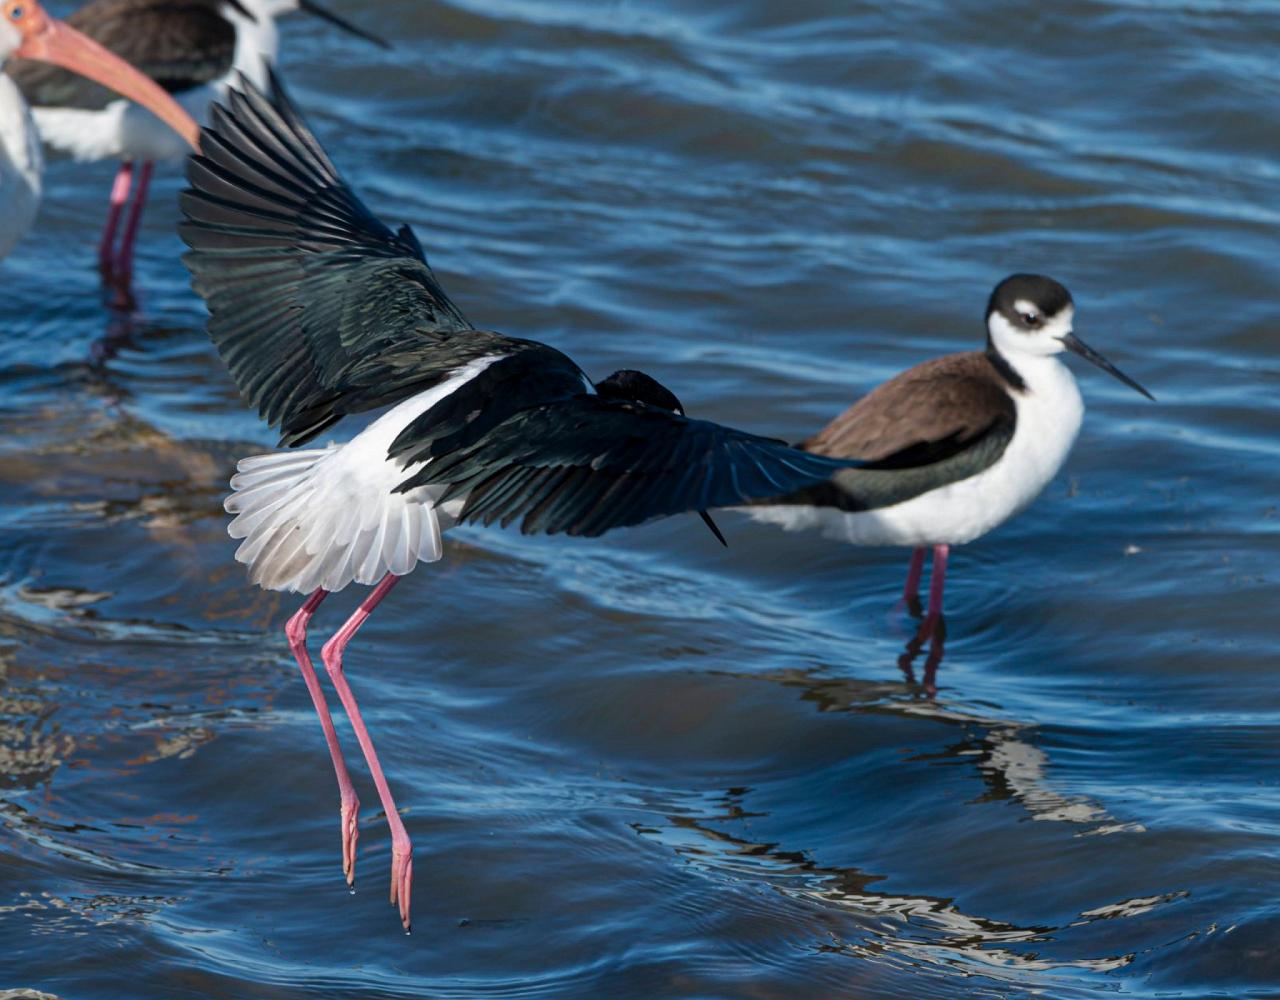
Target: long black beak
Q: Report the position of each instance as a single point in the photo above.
(715, 529)
(313, 8)
(1078, 346)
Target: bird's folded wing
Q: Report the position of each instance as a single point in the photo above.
(179, 45)
(584, 465)
(317, 308)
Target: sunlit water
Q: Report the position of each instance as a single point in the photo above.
(645, 766)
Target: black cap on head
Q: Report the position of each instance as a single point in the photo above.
(640, 388)
(1048, 297)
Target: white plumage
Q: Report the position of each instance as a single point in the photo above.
(21, 165)
(1050, 411)
(327, 517)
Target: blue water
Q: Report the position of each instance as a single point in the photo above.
(646, 766)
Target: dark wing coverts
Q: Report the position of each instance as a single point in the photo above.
(585, 464)
(317, 308)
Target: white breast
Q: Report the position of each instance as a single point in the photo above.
(1049, 414)
(21, 165)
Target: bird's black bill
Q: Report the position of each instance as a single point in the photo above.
(313, 8)
(715, 529)
(1077, 346)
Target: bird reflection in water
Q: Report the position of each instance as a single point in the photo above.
(933, 633)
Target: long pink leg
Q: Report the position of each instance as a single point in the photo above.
(937, 582)
(912, 589)
(119, 196)
(331, 653)
(296, 630)
(124, 260)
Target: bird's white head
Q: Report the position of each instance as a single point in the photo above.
(1030, 315)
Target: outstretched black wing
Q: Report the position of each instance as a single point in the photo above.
(584, 465)
(317, 308)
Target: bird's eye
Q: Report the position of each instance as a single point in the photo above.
(1031, 319)
(15, 13)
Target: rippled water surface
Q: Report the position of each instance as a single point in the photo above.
(646, 766)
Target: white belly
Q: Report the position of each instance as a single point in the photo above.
(1049, 415)
(121, 130)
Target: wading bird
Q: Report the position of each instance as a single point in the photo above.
(194, 49)
(954, 446)
(28, 32)
(321, 313)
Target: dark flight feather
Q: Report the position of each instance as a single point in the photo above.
(318, 309)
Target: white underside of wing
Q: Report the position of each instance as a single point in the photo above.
(1049, 417)
(327, 517)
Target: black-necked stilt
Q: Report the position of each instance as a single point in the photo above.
(28, 32)
(322, 313)
(954, 446)
(193, 49)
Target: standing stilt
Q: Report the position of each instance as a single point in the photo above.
(296, 631)
(119, 197)
(937, 583)
(912, 589)
(124, 259)
(331, 653)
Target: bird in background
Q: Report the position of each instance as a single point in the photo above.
(194, 49)
(326, 318)
(955, 446)
(28, 32)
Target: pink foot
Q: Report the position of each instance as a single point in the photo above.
(350, 834)
(402, 879)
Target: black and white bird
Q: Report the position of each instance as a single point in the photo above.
(957, 445)
(323, 315)
(193, 48)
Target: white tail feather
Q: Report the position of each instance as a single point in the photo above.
(307, 522)
(330, 516)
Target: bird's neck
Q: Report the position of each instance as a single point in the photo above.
(1030, 374)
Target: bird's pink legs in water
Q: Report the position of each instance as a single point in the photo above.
(331, 653)
(937, 581)
(119, 197)
(124, 259)
(912, 589)
(296, 630)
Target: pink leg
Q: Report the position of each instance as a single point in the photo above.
(296, 630)
(912, 589)
(119, 195)
(124, 260)
(331, 653)
(937, 582)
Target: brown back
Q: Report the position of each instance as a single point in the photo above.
(935, 407)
